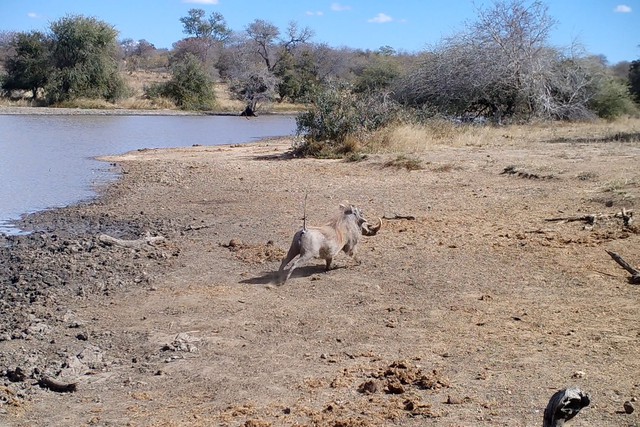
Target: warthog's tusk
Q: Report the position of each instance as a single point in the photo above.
(370, 230)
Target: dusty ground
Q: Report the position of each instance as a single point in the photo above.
(471, 314)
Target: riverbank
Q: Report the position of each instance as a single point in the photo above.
(15, 110)
(94, 111)
(483, 293)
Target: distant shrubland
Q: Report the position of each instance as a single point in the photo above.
(500, 69)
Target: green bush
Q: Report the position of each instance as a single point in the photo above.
(190, 87)
(613, 100)
(338, 119)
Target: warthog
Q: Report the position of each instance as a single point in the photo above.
(340, 234)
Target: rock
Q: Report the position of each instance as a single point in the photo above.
(16, 375)
(395, 387)
(628, 407)
(368, 387)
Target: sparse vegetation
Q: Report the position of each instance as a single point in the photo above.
(403, 161)
(189, 87)
(500, 69)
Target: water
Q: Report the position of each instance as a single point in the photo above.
(47, 161)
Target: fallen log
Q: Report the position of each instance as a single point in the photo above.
(589, 219)
(57, 386)
(635, 274)
(148, 239)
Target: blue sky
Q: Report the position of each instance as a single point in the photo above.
(609, 28)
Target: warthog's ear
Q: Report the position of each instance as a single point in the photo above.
(346, 208)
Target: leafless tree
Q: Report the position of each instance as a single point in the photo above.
(249, 79)
(501, 66)
(267, 43)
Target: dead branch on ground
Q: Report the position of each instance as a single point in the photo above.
(398, 216)
(635, 274)
(148, 239)
(590, 219)
(57, 386)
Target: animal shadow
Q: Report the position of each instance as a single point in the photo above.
(272, 277)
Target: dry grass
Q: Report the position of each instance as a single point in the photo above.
(147, 104)
(421, 138)
(5, 102)
(405, 162)
(139, 80)
(87, 103)
(224, 101)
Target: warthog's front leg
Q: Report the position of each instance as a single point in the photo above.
(352, 252)
(328, 263)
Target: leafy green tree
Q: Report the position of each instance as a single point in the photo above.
(612, 99)
(29, 67)
(298, 76)
(213, 28)
(378, 74)
(634, 80)
(207, 36)
(85, 60)
(190, 87)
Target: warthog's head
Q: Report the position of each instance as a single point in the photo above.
(366, 228)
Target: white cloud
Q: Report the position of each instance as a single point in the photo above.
(337, 7)
(380, 18)
(201, 1)
(311, 13)
(622, 8)
(33, 15)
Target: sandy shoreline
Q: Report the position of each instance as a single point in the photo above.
(472, 313)
(90, 111)
(4, 110)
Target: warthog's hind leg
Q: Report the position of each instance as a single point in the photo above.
(303, 258)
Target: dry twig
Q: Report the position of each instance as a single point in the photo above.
(635, 274)
(148, 239)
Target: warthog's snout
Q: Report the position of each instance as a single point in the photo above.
(371, 230)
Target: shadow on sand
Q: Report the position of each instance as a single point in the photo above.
(271, 278)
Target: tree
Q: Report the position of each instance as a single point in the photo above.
(267, 45)
(502, 66)
(258, 59)
(298, 75)
(621, 70)
(137, 54)
(6, 45)
(634, 80)
(378, 74)
(263, 35)
(214, 28)
(85, 60)
(206, 34)
(29, 66)
(190, 87)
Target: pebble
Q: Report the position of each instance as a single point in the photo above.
(628, 407)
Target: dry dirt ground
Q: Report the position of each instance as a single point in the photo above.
(469, 307)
